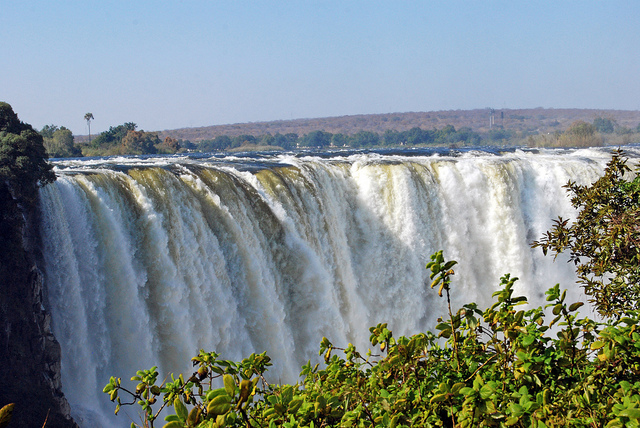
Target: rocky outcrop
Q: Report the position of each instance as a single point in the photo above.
(29, 353)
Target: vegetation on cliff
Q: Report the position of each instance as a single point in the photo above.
(506, 365)
(23, 165)
(23, 168)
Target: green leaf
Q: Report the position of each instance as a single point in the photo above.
(436, 281)
(575, 306)
(287, 394)
(443, 326)
(438, 398)
(516, 410)
(294, 405)
(445, 333)
(181, 410)
(511, 421)
(528, 340)
(625, 385)
(486, 391)
(219, 405)
(229, 385)
(215, 392)
(457, 387)
(194, 416)
(631, 413)
(531, 406)
(467, 391)
(448, 265)
(173, 424)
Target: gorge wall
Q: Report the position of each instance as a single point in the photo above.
(148, 260)
(29, 353)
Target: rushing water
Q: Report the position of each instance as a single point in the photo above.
(148, 260)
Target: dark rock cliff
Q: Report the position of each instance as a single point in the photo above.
(29, 353)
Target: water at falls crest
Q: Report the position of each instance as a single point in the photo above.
(148, 261)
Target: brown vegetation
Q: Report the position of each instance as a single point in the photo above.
(538, 120)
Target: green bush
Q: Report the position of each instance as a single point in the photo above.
(502, 366)
(604, 240)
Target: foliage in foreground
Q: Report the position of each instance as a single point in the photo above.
(501, 366)
(604, 240)
(506, 365)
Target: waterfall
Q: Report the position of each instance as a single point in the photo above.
(147, 261)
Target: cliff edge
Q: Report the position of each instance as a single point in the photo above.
(29, 353)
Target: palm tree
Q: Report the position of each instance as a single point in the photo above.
(89, 117)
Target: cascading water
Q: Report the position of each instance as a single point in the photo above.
(149, 260)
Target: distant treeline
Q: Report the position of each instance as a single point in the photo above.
(126, 139)
(319, 139)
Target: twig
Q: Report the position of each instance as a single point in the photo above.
(47, 418)
(481, 366)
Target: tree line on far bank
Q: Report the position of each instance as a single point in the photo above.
(125, 139)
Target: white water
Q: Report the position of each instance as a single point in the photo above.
(147, 264)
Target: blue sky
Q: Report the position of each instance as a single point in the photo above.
(171, 64)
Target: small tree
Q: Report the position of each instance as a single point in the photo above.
(604, 124)
(60, 144)
(139, 143)
(581, 134)
(89, 117)
(168, 146)
(604, 240)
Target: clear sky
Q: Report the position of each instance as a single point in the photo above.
(167, 64)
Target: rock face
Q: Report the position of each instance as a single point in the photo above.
(29, 353)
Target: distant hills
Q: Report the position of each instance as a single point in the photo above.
(536, 120)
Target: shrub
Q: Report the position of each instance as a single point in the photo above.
(497, 367)
(604, 240)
